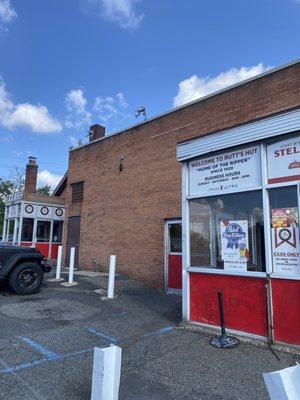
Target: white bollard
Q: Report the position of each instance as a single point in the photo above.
(106, 373)
(71, 266)
(58, 265)
(111, 277)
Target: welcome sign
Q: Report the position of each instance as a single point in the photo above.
(225, 173)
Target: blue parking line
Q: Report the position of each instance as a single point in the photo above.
(50, 356)
(33, 363)
(46, 353)
(103, 335)
(159, 332)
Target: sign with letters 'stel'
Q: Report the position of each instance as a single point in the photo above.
(284, 161)
(225, 173)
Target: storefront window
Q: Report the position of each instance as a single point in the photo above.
(10, 230)
(285, 230)
(57, 231)
(27, 230)
(43, 231)
(226, 232)
(175, 238)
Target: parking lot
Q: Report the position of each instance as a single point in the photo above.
(47, 342)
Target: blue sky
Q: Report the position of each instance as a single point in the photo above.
(66, 64)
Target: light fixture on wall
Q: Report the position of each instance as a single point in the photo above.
(121, 163)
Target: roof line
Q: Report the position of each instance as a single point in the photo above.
(269, 72)
(60, 183)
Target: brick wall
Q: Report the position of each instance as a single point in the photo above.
(123, 212)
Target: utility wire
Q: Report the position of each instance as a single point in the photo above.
(22, 159)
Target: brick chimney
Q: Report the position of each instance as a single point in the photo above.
(31, 175)
(96, 132)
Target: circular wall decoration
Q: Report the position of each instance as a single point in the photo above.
(29, 209)
(44, 210)
(59, 212)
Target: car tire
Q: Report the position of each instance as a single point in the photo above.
(26, 278)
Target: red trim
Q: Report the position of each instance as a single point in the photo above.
(175, 272)
(244, 301)
(54, 250)
(284, 179)
(286, 306)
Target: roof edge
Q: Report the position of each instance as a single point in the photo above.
(60, 183)
(228, 88)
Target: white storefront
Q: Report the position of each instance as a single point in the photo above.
(240, 199)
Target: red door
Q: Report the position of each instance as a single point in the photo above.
(174, 256)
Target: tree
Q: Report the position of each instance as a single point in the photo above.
(17, 178)
(45, 190)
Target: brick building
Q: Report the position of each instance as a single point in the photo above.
(124, 189)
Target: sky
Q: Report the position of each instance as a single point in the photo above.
(67, 64)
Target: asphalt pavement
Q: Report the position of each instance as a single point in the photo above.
(47, 341)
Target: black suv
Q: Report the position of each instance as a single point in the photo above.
(23, 267)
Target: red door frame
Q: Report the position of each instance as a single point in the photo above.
(168, 253)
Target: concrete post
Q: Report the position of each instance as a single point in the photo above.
(111, 277)
(106, 373)
(71, 266)
(58, 265)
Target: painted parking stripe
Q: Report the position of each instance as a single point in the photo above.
(44, 351)
(159, 332)
(18, 367)
(103, 335)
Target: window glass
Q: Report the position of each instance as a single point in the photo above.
(285, 230)
(226, 232)
(27, 230)
(10, 229)
(57, 231)
(175, 238)
(43, 231)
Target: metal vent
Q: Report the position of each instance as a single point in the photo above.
(77, 192)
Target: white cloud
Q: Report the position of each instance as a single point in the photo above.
(7, 13)
(24, 115)
(196, 87)
(122, 100)
(122, 12)
(78, 115)
(47, 178)
(109, 108)
(105, 109)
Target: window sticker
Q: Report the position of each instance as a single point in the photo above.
(285, 241)
(235, 245)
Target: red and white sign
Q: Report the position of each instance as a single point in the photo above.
(227, 172)
(286, 250)
(284, 161)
